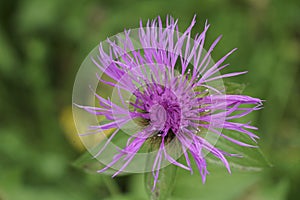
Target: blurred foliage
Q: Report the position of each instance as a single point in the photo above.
(42, 44)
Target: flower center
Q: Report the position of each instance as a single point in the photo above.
(165, 112)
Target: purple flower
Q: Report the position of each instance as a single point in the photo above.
(171, 81)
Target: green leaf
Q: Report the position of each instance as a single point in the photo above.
(250, 159)
(87, 163)
(91, 165)
(165, 183)
(219, 184)
(234, 88)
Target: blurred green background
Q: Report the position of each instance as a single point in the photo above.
(42, 44)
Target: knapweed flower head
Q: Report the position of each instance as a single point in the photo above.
(170, 92)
